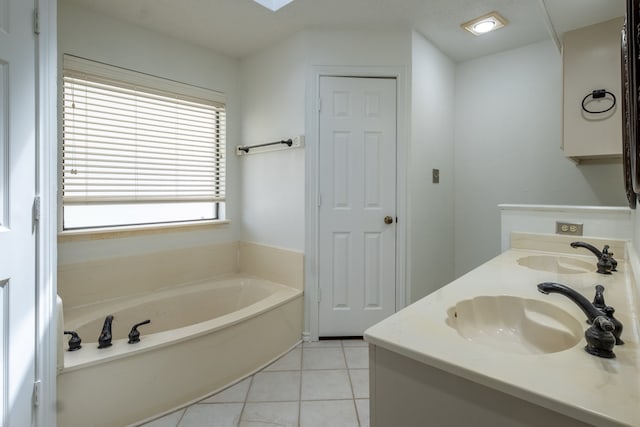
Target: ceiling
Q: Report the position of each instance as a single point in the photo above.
(238, 28)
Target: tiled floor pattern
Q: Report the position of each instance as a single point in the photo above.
(317, 384)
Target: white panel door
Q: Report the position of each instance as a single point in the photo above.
(17, 191)
(357, 180)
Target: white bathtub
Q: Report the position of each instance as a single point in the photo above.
(202, 337)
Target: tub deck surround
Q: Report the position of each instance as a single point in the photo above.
(271, 263)
(88, 282)
(95, 280)
(603, 392)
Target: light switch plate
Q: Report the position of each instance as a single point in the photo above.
(435, 175)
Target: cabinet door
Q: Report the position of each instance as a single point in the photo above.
(591, 61)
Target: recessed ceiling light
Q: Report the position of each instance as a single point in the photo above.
(273, 5)
(484, 24)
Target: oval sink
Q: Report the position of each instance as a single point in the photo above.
(515, 325)
(557, 264)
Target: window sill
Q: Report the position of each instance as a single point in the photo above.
(136, 230)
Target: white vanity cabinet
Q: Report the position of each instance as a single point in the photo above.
(591, 60)
(408, 393)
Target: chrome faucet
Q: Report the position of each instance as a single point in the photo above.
(606, 263)
(605, 329)
(104, 340)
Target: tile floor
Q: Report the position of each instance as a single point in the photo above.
(323, 383)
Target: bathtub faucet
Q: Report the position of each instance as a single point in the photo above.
(104, 340)
(606, 263)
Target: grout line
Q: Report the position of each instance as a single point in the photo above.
(324, 369)
(355, 408)
(329, 400)
(344, 355)
(184, 411)
(300, 388)
(332, 399)
(353, 393)
(285, 370)
(246, 396)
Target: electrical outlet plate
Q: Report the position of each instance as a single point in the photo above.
(569, 228)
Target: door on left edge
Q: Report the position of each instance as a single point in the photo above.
(17, 191)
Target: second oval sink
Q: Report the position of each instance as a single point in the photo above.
(557, 264)
(515, 325)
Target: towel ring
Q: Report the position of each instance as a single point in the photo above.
(597, 94)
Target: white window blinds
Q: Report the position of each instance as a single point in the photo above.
(133, 138)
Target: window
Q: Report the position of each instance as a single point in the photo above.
(138, 149)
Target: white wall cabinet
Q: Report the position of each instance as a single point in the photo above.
(591, 61)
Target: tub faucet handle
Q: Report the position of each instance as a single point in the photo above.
(74, 341)
(134, 335)
(104, 340)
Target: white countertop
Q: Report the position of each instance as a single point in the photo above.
(603, 392)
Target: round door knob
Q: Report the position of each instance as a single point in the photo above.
(388, 219)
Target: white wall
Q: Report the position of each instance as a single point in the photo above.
(275, 83)
(273, 108)
(507, 148)
(93, 36)
(430, 207)
(359, 48)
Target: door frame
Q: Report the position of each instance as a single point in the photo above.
(312, 183)
(47, 178)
